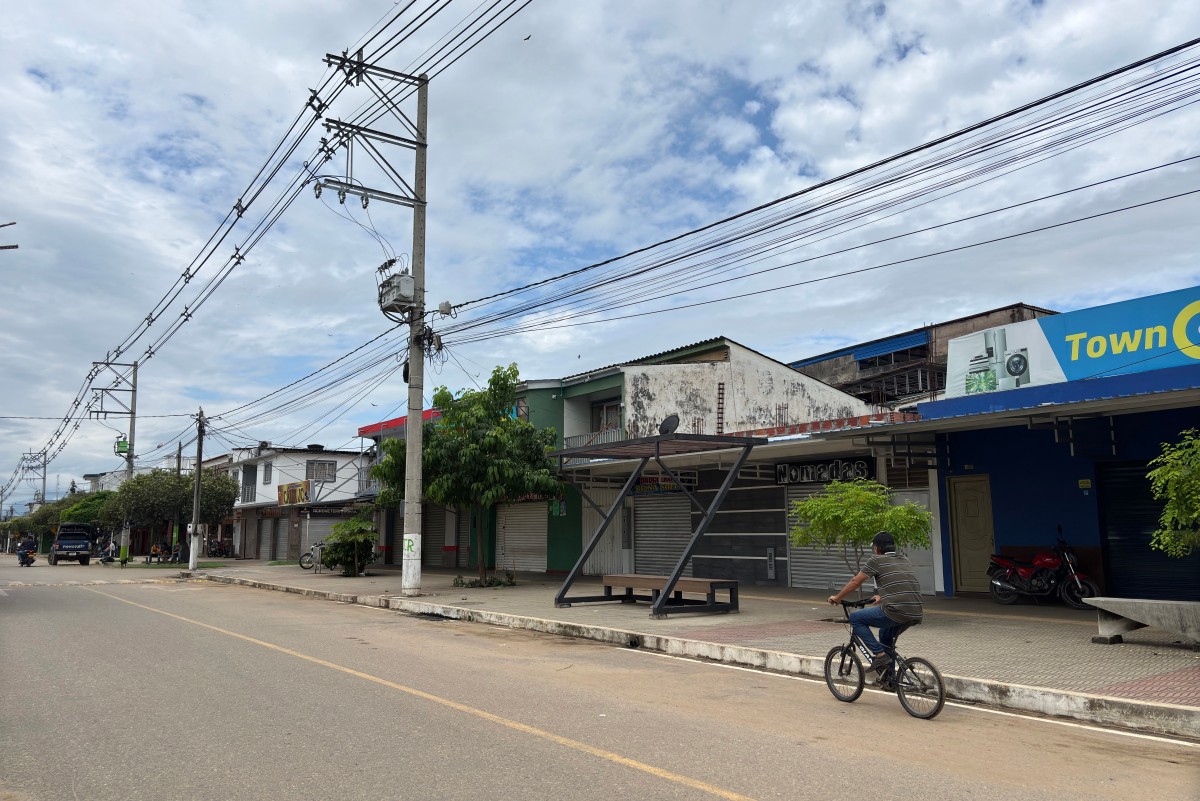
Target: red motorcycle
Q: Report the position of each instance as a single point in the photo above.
(1050, 573)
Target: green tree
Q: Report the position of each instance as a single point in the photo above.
(846, 515)
(351, 543)
(88, 508)
(1175, 480)
(477, 454)
(158, 496)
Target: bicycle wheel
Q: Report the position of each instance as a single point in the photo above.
(920, 688)
(306, 561)
(844, 673)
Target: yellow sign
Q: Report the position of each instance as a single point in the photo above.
(295, 493)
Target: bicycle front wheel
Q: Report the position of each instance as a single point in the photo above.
(844, 673)
(306, 561)
(920, 688)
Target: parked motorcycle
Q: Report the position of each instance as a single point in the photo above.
(1050, 573)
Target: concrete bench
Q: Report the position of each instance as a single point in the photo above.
(629, 582)
(1116, 616)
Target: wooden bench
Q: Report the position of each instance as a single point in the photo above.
(1116, 616)
(631, 582)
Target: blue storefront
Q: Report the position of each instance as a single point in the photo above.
(1052, 422)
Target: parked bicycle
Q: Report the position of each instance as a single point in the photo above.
(914, 680)
(313, 557)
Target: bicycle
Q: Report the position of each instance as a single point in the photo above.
(313, 557)
(915, 680)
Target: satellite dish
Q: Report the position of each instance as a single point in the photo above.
(669, 425)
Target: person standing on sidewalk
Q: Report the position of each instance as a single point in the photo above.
(897, 604)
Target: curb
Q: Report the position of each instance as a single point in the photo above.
(1142, 716)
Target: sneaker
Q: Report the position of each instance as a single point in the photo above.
(880, 662)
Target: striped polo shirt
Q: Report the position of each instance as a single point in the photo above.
(899, 590)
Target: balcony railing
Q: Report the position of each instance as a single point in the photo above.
(249, 493)
(595, 438)
(366, 484)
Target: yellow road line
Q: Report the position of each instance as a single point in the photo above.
(566, 742)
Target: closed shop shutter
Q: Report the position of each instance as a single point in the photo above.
(1129, 516)
(812, 567)
(316, 529)
(521, 536)
(265, 536)
(281, 539)
(433, 534)
(662, 528)
(463, 527)
(606, 559)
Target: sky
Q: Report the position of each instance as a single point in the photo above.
(577, 132)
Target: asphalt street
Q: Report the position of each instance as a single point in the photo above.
(197, 690)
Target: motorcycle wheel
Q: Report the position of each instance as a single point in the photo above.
(306, 561)
(1003, 596)
(1073, 596)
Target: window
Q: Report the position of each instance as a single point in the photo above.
(523, 409)
(266, 474)
(606, 415)
(320, 471)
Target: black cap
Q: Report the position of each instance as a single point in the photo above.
(884, 542)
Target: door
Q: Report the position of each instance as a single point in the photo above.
(972, 538)
(662, 529)
(922, 559)
(606, 559)
(281, 538)
(521, 536)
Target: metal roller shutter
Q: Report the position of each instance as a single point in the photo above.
(464, 537)
(281, 538)
(521, 536)
(265, 537)
(606, 558)
(921, 558)
(316, 529)
(662, 528)
(1129, 517)
(812, 567)
(433, 534)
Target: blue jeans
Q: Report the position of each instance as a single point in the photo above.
(862, 620)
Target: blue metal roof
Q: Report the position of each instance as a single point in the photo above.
(892, 344)
(1167, 380)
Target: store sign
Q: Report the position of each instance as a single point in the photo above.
(295, 493)
(654, 485)
(1134, 336)
(327, 511)
(823, 472)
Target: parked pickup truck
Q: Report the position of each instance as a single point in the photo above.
(73, 542)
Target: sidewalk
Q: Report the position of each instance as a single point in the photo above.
(1027, 658)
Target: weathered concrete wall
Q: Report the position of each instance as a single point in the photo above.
(758, 393)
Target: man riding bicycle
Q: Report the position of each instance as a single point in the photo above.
(897, 604)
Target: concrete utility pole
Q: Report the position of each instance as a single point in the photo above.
(193, 552)
(410, 583)
(129, 456)
(414, 136)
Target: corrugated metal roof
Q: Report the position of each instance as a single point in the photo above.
(892, 344)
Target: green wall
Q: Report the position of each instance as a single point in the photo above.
(563, 533)
(546, 411)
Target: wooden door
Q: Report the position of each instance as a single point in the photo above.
(972, 539)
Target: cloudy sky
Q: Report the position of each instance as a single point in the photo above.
(580, 131)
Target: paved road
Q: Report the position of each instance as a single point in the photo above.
(203, 691)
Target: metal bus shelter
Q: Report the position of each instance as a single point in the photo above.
(644, 450)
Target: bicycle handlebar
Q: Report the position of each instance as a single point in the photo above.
(857, 604)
